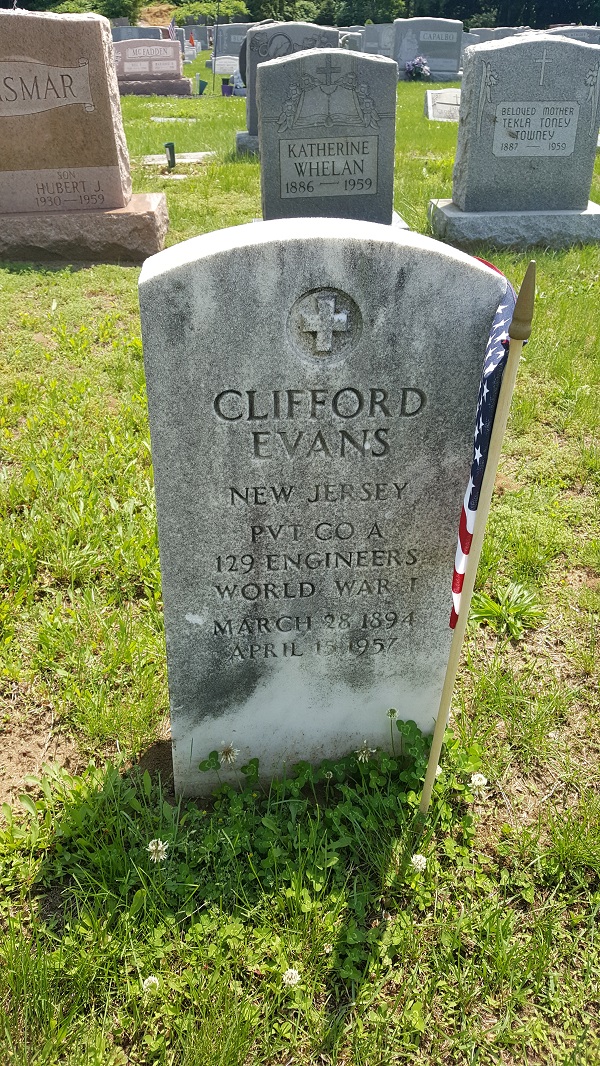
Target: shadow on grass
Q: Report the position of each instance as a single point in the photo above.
(277, 906)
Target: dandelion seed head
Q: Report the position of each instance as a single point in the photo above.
(157, 850)
(418, 863)
(290, 977)
(363, 754)
(228, 754)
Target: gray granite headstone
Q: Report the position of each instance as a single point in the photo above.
(126, 33)
(468, 39)
(529, 122)
(276, 40)
(439, 40)
(529, 118)
(312, 434)
(351, 41)
(200, 35)
(327, 134)
(497, 33)
(378, 39)
(230, 37)
(587, 34)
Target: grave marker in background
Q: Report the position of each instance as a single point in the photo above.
(127, 33)
(439, 40)
(312, 439)
(65, 188)
(379, 39)
(442, 105)
(530, 111)
(327, 123)
(147, 68)
(272, 41)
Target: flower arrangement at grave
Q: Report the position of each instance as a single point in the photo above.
(417, 68)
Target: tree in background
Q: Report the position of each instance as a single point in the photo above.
(535, 13)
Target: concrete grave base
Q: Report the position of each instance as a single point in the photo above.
(514, 229)
(246, 143)
(156, 87)
(129, 234)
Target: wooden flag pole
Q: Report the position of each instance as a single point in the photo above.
(518, 332)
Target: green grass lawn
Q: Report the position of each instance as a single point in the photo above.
(289, 928)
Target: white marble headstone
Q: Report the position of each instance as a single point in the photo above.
(312, 386)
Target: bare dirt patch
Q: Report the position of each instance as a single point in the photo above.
(29, 738)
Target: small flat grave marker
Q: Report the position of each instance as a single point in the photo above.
(442, 105)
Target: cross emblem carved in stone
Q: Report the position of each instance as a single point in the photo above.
(543, 62)
(325, 323)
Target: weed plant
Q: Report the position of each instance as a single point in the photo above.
(291, 926)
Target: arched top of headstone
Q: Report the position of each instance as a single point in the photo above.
(312, 389)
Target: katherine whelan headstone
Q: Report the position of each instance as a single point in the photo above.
(327, 124)
(529, 118)
(272, 41)
(65, 188)
(312, 440)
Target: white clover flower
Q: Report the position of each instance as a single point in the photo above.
(290, 977)
(363, 754)
(438, 770)
(478, 783)
(327, 949)
(150, 984)
(328, 775)
(418, 863)
(157, 850)
(228, 754)
(392, 714)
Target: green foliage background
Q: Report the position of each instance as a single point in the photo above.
(538, 14)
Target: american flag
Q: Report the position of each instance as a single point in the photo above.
(494, 363)
(173, 29)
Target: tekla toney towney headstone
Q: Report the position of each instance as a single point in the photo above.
(312, 440)
(327, 126)
(65, 187)
(528, 127)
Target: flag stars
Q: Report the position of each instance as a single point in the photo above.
(477, 455)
